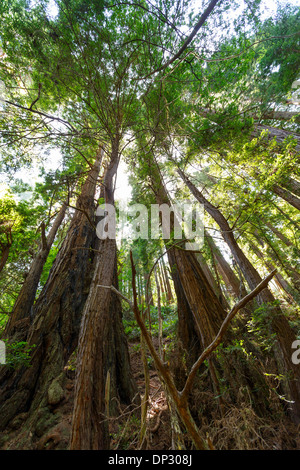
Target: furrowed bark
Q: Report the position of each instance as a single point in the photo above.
(102, 346)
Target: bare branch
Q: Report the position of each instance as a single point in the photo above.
(215, 343)
(196, 28)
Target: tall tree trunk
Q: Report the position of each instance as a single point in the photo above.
(103, 350)
(24, 303)
(167, 281)
(277, 321)
(289, 270)
(149, 292)
(278, 278)
(291, 185)
(161, 281)
(54, 330)
(207, 311)
(236, 285)
(216, 288)
(279, 234)
(286, 195)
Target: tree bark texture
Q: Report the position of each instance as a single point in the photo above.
(102, 350)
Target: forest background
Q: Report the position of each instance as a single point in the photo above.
(140, 343)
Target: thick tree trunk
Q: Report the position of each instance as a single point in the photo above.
(277, 321)
(103, 351)
(56, 317)
(207, 315)
(24, 303)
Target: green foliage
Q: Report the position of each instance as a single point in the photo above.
(126, 434)
(259, 325)
(18, 354)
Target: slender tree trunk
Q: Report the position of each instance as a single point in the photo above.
(236, 286)
(4, 257)
(167, 281)
(278, 278)
(160, 332)
(278, 322)
(5, 248)
(149, 293)
(24, 303)
(216, 288)
(285, 215)
(102, 347)
(286, 195)
(279, 234)
(276, 256)
(161, 281)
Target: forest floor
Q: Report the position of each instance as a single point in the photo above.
(158, 436)
(52, 425)
(240, 428)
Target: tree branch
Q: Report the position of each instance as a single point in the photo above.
(215, 343)
(196, 28)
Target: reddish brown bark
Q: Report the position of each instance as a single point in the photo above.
(204, 314)
(102, 346)
(5, 248)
